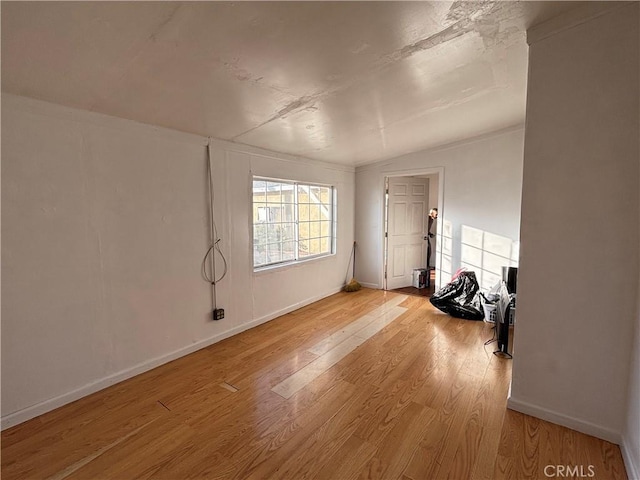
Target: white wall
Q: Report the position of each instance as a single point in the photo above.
(482, 181)
(630, 445)
(104, 227)
(631, 434)
(577, 301)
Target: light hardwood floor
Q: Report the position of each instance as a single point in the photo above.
(422, 399)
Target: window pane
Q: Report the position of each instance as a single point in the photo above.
(259, 189)
(274, 252)
(288, 193)
(288, 232)
(303, 194)
(273, 233)
(288, 251)
(288, 213)
(325, 196)
(314, 212)
(325, 212)
(303, 248)
(273, 192)
(275, 213)
(314, 246)
(303, 230)
(259, 255)
(325, 245)
(314, 229)
(259, 234)
(325, 229)
(303, 212)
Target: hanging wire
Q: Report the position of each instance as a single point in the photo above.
(214, 245)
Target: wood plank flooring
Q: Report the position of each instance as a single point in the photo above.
(421, 399)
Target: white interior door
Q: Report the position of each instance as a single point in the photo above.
(407, 216)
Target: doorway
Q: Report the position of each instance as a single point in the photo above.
(408, 199)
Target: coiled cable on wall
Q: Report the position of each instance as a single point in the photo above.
(214, 245)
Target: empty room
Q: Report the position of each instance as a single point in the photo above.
(324, 240)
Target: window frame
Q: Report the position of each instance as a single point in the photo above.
(298, 259)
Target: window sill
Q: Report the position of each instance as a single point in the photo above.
(258, 271)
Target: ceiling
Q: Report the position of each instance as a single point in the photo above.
(343, 82)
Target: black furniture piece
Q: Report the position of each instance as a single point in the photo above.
(510, 277)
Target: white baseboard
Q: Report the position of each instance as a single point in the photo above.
(565, 420)
(375, 286)
(291, 308)
(631, 460)
(28, 413)
(43, 407)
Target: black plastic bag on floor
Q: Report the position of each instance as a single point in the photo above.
(459, 298)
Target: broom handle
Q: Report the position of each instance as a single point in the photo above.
(354, 260)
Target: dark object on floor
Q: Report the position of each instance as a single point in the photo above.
(459, 297)
(510, 277)
(419, 292)
(420, 277)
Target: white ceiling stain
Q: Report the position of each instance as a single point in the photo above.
(344, 82)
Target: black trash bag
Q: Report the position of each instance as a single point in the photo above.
(459, 297)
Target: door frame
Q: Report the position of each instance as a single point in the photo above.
(385, 215)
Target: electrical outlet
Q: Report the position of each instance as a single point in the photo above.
(218, 314)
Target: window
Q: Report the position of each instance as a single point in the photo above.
(291, 221)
